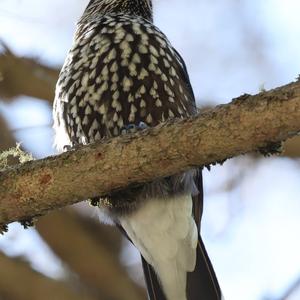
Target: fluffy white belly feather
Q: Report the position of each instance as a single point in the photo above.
(165, 233)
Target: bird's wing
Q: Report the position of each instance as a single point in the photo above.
(202, 282)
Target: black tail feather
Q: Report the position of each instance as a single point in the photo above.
(202, 283)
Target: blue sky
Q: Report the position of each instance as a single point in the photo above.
(230, 47)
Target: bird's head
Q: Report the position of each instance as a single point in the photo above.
(141, 8)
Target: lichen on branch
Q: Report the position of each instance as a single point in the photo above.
(15, 152)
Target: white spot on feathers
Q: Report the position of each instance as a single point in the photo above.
(127, 84)
(144, 73)
(143, 49)
(158, 103)
(143, 103)
(84, 80)
(149, 119)
(136, 58)
(133, 110)
(111, 56)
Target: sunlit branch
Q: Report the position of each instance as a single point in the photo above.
(246, 124)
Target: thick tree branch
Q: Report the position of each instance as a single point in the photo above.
(244, 125)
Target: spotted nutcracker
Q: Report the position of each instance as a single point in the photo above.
(121, 75)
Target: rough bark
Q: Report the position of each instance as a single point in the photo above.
(246, 124)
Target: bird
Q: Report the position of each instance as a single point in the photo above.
(122, 75)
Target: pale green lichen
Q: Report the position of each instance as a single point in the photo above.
(16, 152)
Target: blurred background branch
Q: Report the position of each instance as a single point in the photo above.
(92, 251)
(6, 137)
(289, 294)
(25, 76)
(19, 282)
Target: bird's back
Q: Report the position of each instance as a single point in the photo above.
(120, 70)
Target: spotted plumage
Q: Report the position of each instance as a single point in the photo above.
(119, 72)
(122, 71)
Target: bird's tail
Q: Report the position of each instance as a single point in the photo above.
(202, 283)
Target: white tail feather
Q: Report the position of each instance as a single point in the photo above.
(165, 233)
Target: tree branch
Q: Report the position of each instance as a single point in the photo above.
(25, 76)
(292, 147)
(19, 282)
(6, 138)
(246, 124)
(96, 264)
